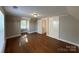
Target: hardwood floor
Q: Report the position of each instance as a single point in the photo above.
(38, 43)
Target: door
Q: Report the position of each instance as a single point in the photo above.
(44, 26)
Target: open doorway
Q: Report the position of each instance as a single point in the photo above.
(44, 26)
(24, 26)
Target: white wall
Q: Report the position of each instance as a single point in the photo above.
(32, 25)
(53, 27)
(68, 28)
(12, 24)
(42, 25)
(64, 28)
(78, 31)
(39, 26)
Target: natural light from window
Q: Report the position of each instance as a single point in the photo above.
(1, 32)
(23, 24)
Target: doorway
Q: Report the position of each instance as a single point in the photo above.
(44, 26)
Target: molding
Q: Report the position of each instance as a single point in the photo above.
(73, 43)
(24, 32)
(39, 32)
(32, 32)
(70, 42)
(52, 36)
(13, 36)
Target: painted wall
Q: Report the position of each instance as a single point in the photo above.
(12, 25)
(39, 26)
(51, 27)
(33, 25)
(68, 28)
(42, 25)
(78, 31)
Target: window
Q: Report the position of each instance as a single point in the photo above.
(1, 32)
(23, 24)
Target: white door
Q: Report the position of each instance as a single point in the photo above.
(42, 26)
(1, 31)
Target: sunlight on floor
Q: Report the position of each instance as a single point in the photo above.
(23, 40)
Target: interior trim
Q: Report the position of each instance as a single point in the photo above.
(73, 43)
(13, 36)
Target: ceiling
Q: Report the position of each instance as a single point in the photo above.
(74, 11)
(43, 11)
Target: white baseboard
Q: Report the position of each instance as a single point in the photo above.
(70, 42)
(24, 32)
(73, 43)
(52, 36)
(13, 36)
(39, 33)
(31, 32)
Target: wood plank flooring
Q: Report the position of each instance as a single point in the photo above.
(38, 43)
